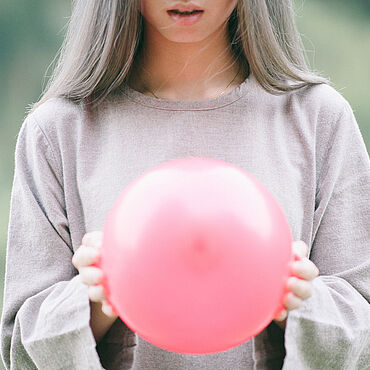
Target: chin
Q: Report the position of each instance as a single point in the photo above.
(185, 37)
(189, 40)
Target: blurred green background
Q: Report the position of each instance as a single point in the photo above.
(336, 35)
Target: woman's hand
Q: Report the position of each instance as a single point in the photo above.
(86, 255)
(300, 284)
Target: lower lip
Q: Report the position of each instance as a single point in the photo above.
(185, 20)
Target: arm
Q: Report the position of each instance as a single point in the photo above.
(46, 311)
(100, 323)
(331, 330)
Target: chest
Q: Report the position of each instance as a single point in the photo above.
(280, 156)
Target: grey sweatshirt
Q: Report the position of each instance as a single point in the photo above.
(72, 163)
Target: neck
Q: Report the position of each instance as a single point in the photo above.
(185, 71)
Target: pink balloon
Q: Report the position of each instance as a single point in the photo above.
(196, 255)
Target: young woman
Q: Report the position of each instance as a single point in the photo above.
(142, 82)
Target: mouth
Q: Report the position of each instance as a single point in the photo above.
(184, 13)
(185, 8)
(185, 18)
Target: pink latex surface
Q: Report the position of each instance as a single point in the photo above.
(196, 255)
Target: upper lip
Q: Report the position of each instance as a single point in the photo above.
(185, 8)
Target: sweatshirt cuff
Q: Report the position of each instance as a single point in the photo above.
(60, 336)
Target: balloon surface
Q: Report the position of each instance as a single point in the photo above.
(196, 255)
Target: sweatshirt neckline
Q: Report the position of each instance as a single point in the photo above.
(181, 105)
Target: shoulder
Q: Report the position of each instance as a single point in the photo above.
(315, 102)
(316, 110)
(322, 101)
(56, 114)
(48, 128)
(58, 121)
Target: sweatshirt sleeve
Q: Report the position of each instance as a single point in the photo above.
(46, 310)
(332, 329)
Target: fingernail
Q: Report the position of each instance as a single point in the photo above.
(97, 254)
(282, 315)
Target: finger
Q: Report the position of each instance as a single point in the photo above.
(85, 256)
(305, 269)
(108, 310)
(301, 288)
(292, 302)
(96, 293)
(91, 275)
(93, 239)
(300, 249)
(281, 316)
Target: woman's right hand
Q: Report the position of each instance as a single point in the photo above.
(83, 259)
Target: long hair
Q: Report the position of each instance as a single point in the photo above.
(104, 36)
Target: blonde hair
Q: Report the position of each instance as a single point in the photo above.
(104, 37)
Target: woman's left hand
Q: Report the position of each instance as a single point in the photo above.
(299, 285)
